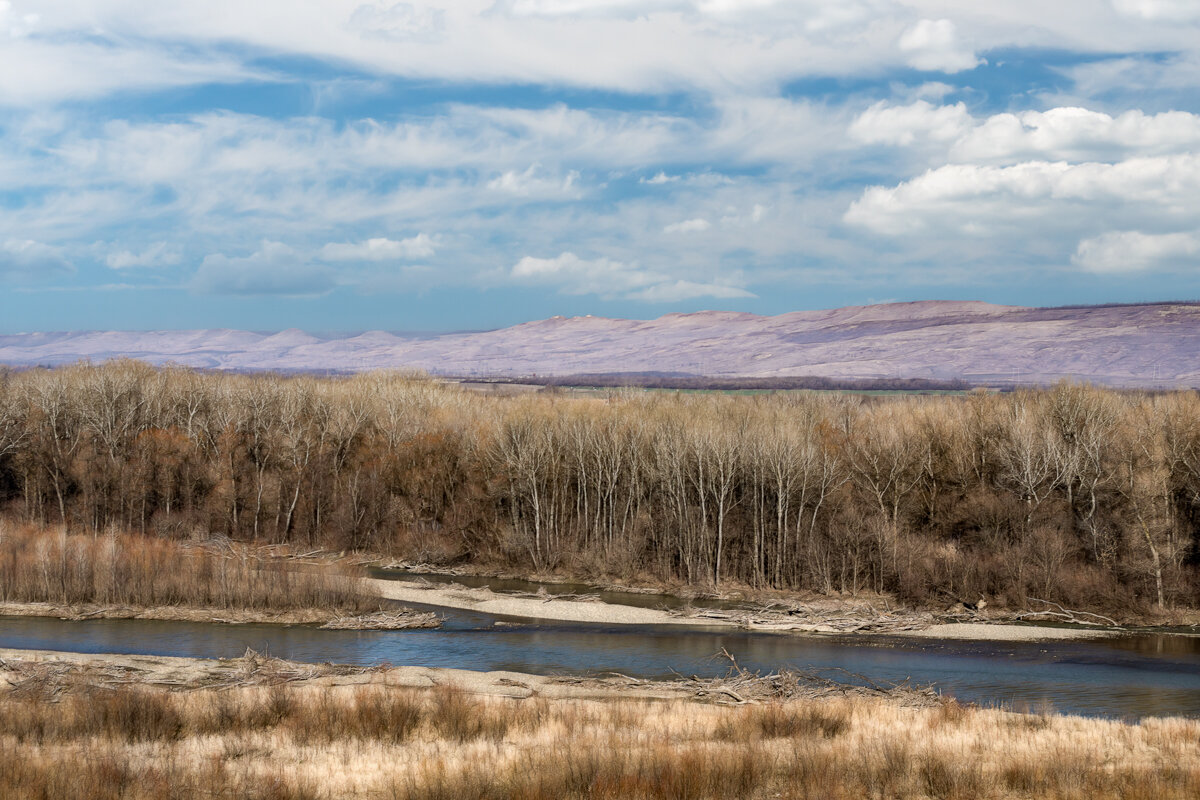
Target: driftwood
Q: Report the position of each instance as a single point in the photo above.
(546, 596)
(1067, 615)
(862, 618)
(403, 619)
(742, 686)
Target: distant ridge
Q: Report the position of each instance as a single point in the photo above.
(1152, 345)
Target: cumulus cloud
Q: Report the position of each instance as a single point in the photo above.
(273, 269)
(614, 279)
(697, 225)
(381, 249)
(159, 254)
(1134, 251)
(976, 198)
(29, 258)
(1065, 133)
(933, 45)
(904, 125)
(1076, 134)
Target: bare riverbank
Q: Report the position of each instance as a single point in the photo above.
(827, 618)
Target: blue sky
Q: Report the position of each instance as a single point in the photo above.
(342, 166)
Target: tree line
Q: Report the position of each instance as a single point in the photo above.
(1072, 494)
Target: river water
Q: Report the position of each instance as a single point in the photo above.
(1130, 677)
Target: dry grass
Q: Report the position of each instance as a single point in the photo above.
(319, 740)
(46, 565)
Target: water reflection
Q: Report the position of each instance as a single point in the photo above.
(1115, 678)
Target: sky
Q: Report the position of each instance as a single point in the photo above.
(341, 166)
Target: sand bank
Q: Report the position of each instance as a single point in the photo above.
(196, 673)
(595, 611)
(534, 608)
(1007, 633)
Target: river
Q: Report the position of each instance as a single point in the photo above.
(1127, 677)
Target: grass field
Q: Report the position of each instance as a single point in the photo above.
(318, 739)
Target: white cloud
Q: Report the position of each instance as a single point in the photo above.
(31, 259)
(982, 199)
(1138, 77)
(381, 249)
(1066, 133)
(1134, 251)
(675, 291)
(1169, 10)
(933, 45)
(921, 122)
(1076, 134)
(159, 254)
(16, 25)
(724, 47)
(933, 89)
(712, 131)
(273, 269)
(757, 214)
(697, 225)
(37, 72)
(817, 18)
(397, 21)
(614, 279)
(532, 182)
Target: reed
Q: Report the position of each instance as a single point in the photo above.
(50, 565)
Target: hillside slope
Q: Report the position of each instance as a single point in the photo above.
(1119, 345)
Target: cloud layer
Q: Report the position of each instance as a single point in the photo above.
(608, 155)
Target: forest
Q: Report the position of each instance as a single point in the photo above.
(1071, 494)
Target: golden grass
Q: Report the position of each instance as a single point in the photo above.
(319, 740)
(48, 565)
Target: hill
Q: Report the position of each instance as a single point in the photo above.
(1137, 345)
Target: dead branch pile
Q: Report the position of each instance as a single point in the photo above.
(545, 596)
(855, 618)
(402, 619)
(740, 686)
(1057, 613)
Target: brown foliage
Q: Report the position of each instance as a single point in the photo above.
(1073, 494)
